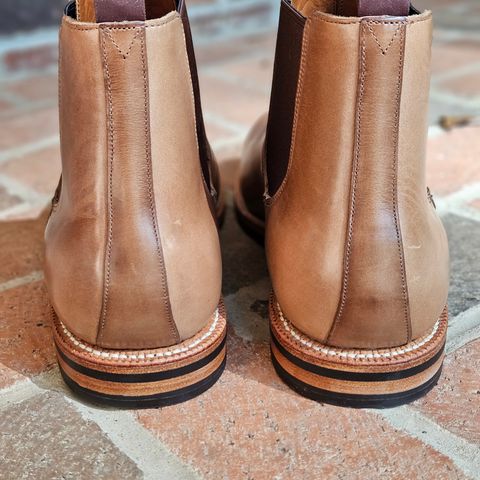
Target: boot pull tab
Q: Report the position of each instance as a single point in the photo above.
(374, 8)
(122, 10)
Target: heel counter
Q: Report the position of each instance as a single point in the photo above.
(373, 311)
(75, 232)
(424, 238)
(377, 309)
(163, 243)
(133, 201)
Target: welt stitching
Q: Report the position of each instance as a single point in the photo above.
(351, 220)
(148, 148)
(395, 189)
(377, 41)
(111, 156)
(298, 96)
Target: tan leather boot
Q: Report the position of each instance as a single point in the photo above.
(357, 254)
(133, 264)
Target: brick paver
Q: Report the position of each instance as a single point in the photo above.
(249, 426)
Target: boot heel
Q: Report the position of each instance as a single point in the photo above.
(143, 378)
(356, 378)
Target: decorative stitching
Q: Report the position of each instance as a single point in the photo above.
(115, 44)
(111, 155)
(164, 352)
(75, 25)
(354, 354)
(351, 220)
(377, 41)
(166, 300)
(79, 6)
(395, 188)
(320, 16)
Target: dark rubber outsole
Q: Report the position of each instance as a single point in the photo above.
(354, 401)
(149, 401)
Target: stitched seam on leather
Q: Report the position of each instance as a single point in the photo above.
(384, 50)
(351, 220)
(395, 186)
(71, 23)
(410, 20)
(126, 53)
(298, 97)
(148, 155)
(111, 155)
(79, 6)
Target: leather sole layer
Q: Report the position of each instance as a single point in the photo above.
(356, 378)
(144, 378)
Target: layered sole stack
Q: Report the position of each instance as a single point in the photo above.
(144, 378)
(356, 378)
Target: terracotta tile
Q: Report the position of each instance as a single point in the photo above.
(228, 51)
(475, 204)
(466, 85)
(38, 87)
(26, 347)
(251, 426)
(46, 438)
(216, 132)
(28, 127)
(255, 73)
(455, 402)
(451, 56)
(31, 59)
(7, 200)
(21, 247)
(452, 160)
(39, 170)
(232, 102)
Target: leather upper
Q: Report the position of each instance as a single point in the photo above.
(132, 249)
(357, 254)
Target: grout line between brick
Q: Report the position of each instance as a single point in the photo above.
(19, 281)
(120, 426)
(138, 443)
(17, 152)
(464, 328)
(464, 455)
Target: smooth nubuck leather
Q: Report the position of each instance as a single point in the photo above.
(132, 249)
(357, 255)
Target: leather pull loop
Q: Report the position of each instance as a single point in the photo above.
(396, 8)
(120, 10)
(374, 8)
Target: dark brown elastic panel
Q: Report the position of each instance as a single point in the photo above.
(373, 8)
(204, 149)
(159, 8)
(284, 89)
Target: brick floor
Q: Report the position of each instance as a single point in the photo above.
(249, 426)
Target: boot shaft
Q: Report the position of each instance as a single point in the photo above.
(132, 256)
(349, 221)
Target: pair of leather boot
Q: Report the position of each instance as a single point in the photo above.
(333, 177)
